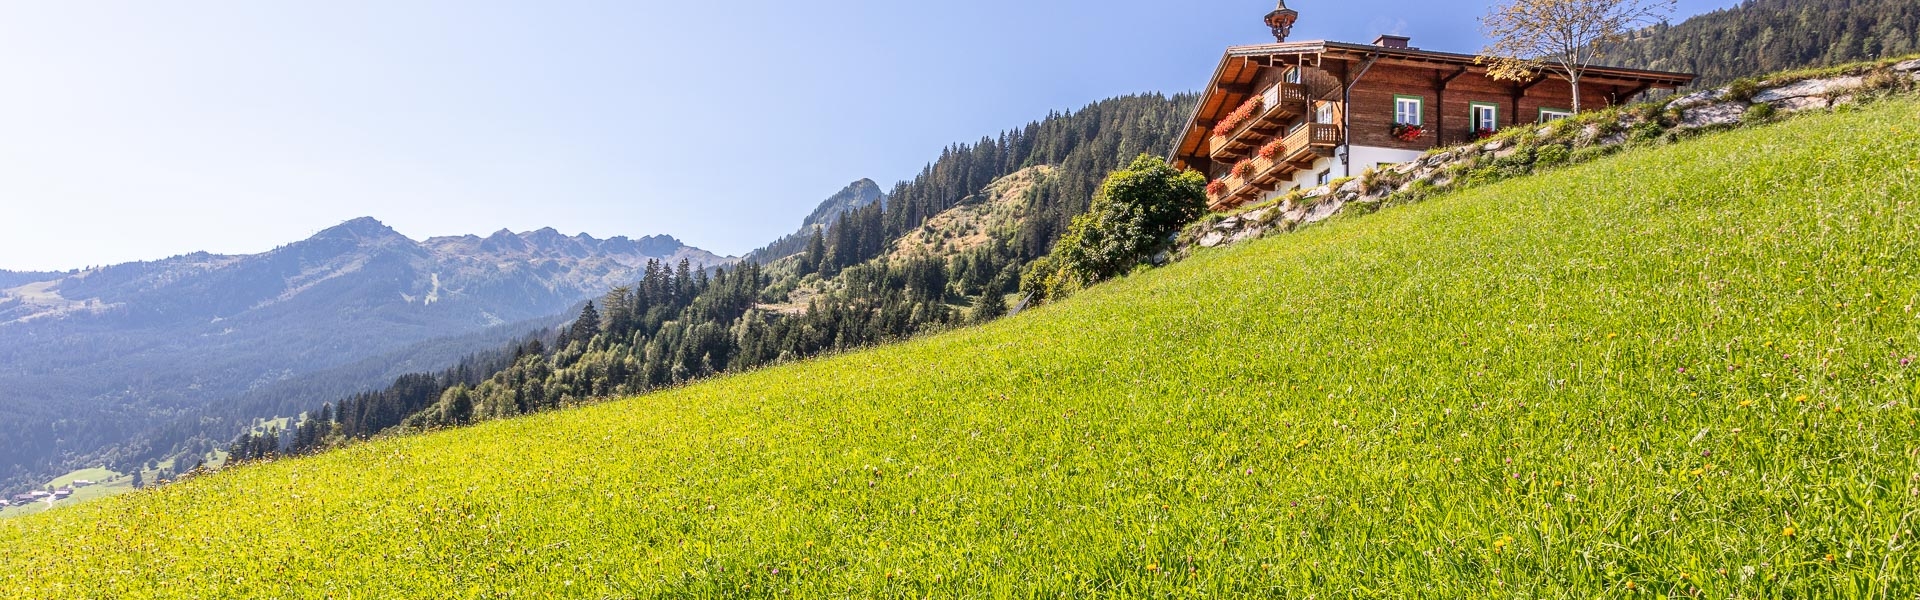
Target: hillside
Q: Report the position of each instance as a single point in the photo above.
(1765, 36)
(981, 219)
(845, 290)
(96, 357)
(1613, 378)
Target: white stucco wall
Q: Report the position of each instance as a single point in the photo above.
(1366, 157)
(1306, 179)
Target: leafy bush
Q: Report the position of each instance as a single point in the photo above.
(1516, 161)
(1592, 153)
(1759, 113)
(1133, 215)
(1646, 133)
(1742, 90)
(1551, 155)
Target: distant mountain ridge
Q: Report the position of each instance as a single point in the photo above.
(857, 195)
(95, 356)
(17, 278)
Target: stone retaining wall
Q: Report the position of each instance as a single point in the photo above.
(1518, 154)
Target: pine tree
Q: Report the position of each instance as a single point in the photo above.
(815, 258)
(586, 327)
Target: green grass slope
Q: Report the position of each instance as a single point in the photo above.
(1672, 370)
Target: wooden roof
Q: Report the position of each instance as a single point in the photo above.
(1232, 81)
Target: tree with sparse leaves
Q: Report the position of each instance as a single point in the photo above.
(1564, 37)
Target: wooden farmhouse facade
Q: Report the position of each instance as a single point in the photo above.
(1296, 115)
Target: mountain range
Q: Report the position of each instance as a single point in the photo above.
(93, 357)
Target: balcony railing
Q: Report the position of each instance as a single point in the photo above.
(1280, 104)
(1299, 149)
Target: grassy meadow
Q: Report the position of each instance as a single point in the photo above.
(1678, 372)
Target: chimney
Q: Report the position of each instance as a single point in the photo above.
(1392, 41)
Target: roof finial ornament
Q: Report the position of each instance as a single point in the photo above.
(1282, 20)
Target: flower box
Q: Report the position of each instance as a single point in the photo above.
(1405, 132)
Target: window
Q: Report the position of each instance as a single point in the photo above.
(1293, 75)
(1409, 110)
(1324, 178)
(1485, 118)
(1323, 113)
(1549, 115)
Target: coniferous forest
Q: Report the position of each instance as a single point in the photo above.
(679, 324)
(1765, 36)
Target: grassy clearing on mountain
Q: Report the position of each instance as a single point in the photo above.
(1680, 371)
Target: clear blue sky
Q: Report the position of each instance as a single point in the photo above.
(133, 129)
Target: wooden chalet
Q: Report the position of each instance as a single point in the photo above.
(1293, 115)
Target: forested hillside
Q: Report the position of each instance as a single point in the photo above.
(1685, 371)
(845, 288)
(1764, 36)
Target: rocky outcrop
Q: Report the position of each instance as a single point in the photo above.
(1713, 115)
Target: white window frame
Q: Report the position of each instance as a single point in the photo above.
(1323, 113)
(1485, 116)
(1416, 117)
(1549, 115)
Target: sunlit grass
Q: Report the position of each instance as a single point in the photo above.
(1674, 370)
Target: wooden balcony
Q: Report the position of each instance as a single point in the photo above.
(1298, 151)
(1280, 105)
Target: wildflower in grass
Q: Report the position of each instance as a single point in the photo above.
(1788, 532)
(1746, 403)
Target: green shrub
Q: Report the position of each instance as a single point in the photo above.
(1134, 212)
(1518, 159)
(1646, 133)
(1551, 155)
(1887, 80)
(1610, 127)
(1759, 113)
(1592, 153)
(1742, 90)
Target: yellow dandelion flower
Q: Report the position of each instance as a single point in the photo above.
(1788, 532)
(1746, 403)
